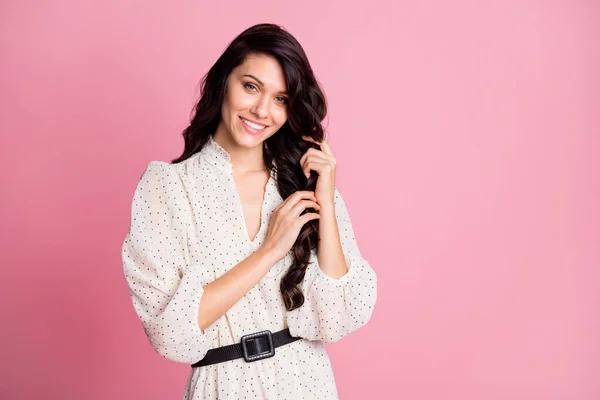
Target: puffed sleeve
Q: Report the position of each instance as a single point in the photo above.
(164, 288)
(332, 307)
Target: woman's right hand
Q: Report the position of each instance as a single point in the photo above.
(286, 222)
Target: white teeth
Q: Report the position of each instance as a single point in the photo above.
(253, 125)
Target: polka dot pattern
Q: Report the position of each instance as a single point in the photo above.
(187, 229)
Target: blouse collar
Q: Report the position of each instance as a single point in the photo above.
(219, 157)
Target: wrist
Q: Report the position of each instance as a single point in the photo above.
(327, 210)
(268, 253)
(328, 203)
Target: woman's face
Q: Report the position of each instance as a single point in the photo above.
(255, 105)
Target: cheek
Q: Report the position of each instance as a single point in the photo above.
(233, 102)
(280, 116)
(226, 108)
(240, 101)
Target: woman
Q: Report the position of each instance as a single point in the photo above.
(240, 258)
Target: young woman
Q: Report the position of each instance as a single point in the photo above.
(240, 258)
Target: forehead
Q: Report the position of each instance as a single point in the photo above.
(266, 68)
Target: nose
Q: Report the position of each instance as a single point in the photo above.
(261, 108)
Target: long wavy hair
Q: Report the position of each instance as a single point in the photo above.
(307, 109)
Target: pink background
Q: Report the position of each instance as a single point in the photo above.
(468, 142)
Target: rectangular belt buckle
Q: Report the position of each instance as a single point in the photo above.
(255, 336)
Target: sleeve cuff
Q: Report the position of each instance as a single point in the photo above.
(197, 298)
(341, 281)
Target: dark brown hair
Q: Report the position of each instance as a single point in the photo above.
(307, 108)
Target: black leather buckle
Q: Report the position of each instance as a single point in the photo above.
(248, 356)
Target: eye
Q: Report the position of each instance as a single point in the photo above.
(282, 100)
(246, 85)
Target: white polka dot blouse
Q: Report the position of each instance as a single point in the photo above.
(187, 229)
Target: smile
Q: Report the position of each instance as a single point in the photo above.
(254, 127)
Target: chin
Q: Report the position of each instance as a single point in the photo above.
(244, 139)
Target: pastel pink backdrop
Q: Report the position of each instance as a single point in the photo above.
(467, 136)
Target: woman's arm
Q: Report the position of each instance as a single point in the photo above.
(165, 287)
(335, 304)
(222, 293)
(330, 252)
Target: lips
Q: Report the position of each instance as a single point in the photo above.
(254, 128)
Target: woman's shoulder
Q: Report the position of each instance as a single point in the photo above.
(168, 182)
(173, 171)
(159, 179)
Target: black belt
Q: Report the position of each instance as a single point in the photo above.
(253, 347)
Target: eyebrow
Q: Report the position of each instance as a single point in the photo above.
(262, 84)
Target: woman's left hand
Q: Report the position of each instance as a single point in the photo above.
(324, 163)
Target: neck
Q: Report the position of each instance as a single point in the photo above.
(243, 159)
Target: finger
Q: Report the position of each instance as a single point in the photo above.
(310, 152)
(296, 197)
(316, 154)
(303, 205)
(326, 148)
(324, 145)
(316, 166)
(308, 216)
(309, 138)
(316, 161)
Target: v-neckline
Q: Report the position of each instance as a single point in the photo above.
(240, 207)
